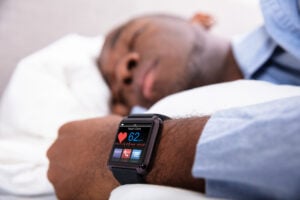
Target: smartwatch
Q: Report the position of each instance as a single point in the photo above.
(134, 147)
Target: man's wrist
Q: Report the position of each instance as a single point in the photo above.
(174, 158)
(134, 146)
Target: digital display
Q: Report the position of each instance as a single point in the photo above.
(130, 142)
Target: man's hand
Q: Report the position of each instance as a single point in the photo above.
(78, 159)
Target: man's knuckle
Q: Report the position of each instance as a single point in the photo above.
(49, 152)
(51, 175)
(67, 127)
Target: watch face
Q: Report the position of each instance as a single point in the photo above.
(131, 143)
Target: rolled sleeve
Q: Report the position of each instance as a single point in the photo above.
(252, 152)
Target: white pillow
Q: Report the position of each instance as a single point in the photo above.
(57, 84)
(154, 192)
(209, 99)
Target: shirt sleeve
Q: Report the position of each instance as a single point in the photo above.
(282, 22)
(252, 152)
(272, 51)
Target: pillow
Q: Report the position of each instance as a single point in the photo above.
(57, 84)
(208, 99)
(154, 192)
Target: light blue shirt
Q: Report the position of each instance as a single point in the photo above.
(254, 152)
(272, 52)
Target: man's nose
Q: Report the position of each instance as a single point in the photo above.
(123, 73)
(126, 67)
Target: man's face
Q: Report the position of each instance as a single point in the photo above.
(145, 60)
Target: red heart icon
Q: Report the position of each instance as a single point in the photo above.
(122, 136)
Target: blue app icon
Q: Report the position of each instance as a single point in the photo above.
(117, 153)
(136, 154)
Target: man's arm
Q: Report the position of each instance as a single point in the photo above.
(176, 152)
(78, 158)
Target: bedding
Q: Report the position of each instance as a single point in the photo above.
(209, 99)
(150, 192)
(61, 83)
(57, 84)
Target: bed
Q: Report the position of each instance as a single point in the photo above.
(51, 87)
(49, 77)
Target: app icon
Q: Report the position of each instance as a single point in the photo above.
(117, 153)
(126, 153)
(136, 154)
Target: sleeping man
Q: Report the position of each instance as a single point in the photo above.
(241, 153)
(153, 56)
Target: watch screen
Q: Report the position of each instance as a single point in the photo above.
(130, 143)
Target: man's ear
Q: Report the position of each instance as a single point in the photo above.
(203, 19)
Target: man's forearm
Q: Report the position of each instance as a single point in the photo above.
(174, 159)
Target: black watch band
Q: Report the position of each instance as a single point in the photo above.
(162, 117)
(127, 175)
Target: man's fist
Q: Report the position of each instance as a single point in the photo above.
(78, 159)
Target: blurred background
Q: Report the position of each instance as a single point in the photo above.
(29, 25)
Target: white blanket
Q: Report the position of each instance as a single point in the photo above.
(57, 84)
(61, 83)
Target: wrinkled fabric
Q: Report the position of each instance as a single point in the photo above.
(252, 152)
(272, 51)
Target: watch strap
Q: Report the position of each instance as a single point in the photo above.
(127, 176)
(150, 115)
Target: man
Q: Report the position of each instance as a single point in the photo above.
(153, 56)
(249, 152)
(150, 57)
